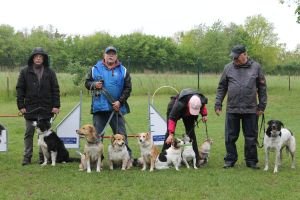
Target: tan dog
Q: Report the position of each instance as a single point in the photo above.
(149, 151)
(93, 149)
(204, 151)
(118, 153)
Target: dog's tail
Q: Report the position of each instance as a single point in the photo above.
(79, 153)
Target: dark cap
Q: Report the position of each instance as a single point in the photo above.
(237, 50)
(110, 48)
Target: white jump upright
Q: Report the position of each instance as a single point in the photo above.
(66, 129)
(157, 123)
(3, 140)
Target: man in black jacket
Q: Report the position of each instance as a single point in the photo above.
(38, 96)
(244, 82)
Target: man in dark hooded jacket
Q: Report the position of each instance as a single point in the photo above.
(38, 96)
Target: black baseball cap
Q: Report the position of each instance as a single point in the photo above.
(237, 50)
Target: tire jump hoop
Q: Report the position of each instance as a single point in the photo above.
(165, 86)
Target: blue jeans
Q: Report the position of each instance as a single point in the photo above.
(116, 123)
(250, 131)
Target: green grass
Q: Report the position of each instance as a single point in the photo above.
(210, 182)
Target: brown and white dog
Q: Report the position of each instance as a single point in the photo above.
(93, 149)
(118, 153)
(204, 151)
(171, 156)
(277, 138)
(149, 151)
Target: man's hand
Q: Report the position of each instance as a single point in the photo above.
(218, 111)
(204, 119)
(23, 110)
(259, 112)
(170, 139)
(98, 85)
(116, 105)
(55, 110)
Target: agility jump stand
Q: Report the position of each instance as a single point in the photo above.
(157, 124)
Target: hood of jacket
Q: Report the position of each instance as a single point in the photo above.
(41, 51)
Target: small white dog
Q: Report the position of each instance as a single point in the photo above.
(149, 151)
(171, 156)
(276, 138)
(118, 153)
(188, 153)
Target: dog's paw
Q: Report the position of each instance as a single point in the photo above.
(266, 168)
(89, 171)
(44, 164)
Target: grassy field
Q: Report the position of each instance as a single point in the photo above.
(210, 182)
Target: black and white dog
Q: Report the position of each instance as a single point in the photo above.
(50, 143)
(170, 156)
(276, 138)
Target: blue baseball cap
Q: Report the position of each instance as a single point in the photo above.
(110, 48)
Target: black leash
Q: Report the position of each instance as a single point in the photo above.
(262, 124)
(39, 108)
(206, 130)
(197, 124)
(111, 100)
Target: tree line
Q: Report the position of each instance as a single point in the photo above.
(204, 48)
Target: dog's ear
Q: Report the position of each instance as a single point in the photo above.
(282, 125)
(112, 139)
(269, 122)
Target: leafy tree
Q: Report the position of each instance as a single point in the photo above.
(263, 42)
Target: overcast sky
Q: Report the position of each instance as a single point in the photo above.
(154, 17)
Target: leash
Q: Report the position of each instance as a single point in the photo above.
(197, 124)
(39, 108)
(108, 121)
(111, 100)
(206, 130)
(262, 125)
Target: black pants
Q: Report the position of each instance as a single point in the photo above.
(189, 124)
(250, 131)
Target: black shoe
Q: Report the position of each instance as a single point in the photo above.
(26, 162)
(228, 165)
(253, 166)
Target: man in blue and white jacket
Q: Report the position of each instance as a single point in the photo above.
(111, 85)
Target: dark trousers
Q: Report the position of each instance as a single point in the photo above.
(189, 124)
(28, 140)
(250, 131)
